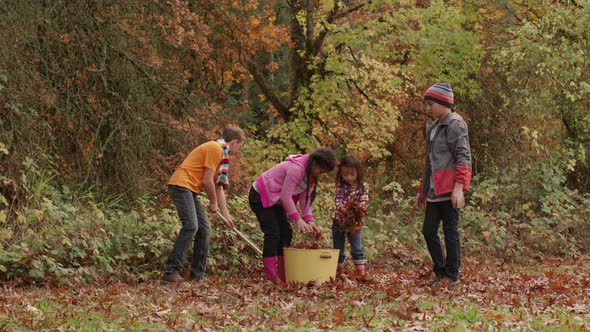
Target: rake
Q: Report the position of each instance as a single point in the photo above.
(250, 243)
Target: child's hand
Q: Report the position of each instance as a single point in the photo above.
(420, 201)
(315, 229)
(303, 226)
(229, 223)
(457, 198)
(319, 236)
(227, 220)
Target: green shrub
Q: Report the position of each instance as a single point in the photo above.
(52, 233)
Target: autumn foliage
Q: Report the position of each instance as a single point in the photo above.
(100, 101)
(551, 296)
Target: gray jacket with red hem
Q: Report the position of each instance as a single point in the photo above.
(451, 156)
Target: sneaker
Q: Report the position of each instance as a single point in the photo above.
(365, 277)
(437, 279)
(450, 283)
(195, 278)
(173, 276)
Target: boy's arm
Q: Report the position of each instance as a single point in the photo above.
(458, 141)
(222, 204)
(209, 187)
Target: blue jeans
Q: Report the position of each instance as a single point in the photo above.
(356, 243)
(274, 223)
(435, 213)
(195, 228)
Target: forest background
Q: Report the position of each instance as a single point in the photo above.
(101, 100)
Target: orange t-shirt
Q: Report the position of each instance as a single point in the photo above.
(190, 173)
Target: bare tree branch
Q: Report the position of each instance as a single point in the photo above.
(334, 15)
(267, 90)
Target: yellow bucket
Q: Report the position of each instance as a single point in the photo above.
(305, 265)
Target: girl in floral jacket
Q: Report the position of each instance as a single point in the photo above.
(352, 200)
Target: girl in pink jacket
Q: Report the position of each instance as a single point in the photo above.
(273, 198)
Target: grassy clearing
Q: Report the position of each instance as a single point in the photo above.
(553, 295)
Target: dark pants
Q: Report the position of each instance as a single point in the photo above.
(195, 228)
(274, 224)
(435, 212)
(356, 243)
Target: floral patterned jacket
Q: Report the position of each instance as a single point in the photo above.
(345, 193)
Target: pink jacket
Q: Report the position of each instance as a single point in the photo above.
(285, 184)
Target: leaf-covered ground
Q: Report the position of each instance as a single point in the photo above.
(543, 294)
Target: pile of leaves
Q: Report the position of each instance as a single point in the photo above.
(353, 221)
(312, 241)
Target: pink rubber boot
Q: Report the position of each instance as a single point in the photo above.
(270, 269)
(360, 268)
(281, 268)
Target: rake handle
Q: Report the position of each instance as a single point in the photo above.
(242, 236)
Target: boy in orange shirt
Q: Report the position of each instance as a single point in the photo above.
(205, 168)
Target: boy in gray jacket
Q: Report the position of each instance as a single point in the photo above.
(446, 174)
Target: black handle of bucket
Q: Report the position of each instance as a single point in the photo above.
(326, 255)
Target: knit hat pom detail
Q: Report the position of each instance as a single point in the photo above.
(440, 93)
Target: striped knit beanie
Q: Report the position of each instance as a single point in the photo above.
(440, 93)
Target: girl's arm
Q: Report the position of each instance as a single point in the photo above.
(307, 216)
(289, 184)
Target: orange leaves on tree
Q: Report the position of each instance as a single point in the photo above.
(225, 35)
(273, 66)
